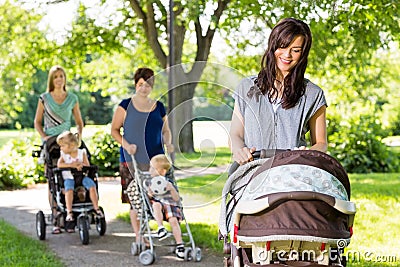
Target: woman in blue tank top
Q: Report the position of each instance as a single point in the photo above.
(145, 132)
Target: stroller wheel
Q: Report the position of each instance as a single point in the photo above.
(188, 254)
(197, 254)
(101, 225)
(40, 225)
(146, 257)
(83, 224)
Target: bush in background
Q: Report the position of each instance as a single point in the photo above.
(357, 144)
(105, 153)
(17, 166)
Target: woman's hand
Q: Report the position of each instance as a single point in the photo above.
(170, 148)
(243, 155)
(131, 148)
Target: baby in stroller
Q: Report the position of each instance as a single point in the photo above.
(71, 156)
(165, 200)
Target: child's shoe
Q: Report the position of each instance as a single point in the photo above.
(162, 233)
(69, 222)
(180, 251)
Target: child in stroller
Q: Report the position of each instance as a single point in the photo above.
(71, 156)
(292, 209)
(148, 200)
(165, 201)
(82, 207)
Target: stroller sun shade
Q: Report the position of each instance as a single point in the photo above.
(294, 193)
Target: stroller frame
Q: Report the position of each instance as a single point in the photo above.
(84, 213)
(145, 214)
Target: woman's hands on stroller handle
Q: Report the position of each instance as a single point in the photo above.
(243, 155)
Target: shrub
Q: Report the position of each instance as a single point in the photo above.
(17, 167)
(105, 153)
(358, 145)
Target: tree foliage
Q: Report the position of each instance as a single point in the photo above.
(22, 51)
(348, 37)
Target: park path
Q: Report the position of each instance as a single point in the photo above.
(19, 208)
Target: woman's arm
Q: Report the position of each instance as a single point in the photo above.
(318, 131)
(38, 122)
(117, 124)
(167, 136)
(241, 154)
(78, 119)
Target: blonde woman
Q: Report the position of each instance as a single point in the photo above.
(53, 116)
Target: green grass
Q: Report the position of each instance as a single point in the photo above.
(205, 158)
(376, 228)
(20, 250)
(6, 135)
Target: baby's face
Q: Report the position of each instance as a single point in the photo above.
(66, 148)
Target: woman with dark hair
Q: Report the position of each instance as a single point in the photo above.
(276, 109)
(145, 132)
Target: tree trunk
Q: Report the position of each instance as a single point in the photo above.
(181, 114)
(183, 118)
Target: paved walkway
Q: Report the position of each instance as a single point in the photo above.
(19, 208)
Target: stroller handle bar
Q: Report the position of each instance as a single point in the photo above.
(74, 170)
(259, 154)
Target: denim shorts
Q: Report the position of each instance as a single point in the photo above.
(69, 184)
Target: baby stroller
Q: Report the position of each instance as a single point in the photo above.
(292, 209)
(137, 193)
(82, 207)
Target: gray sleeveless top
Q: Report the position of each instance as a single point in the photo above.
(283, 129)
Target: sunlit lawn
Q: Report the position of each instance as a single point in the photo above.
(376, 238)
(20, 250)
(376, 227)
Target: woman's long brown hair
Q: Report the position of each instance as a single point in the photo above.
(294, 85)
